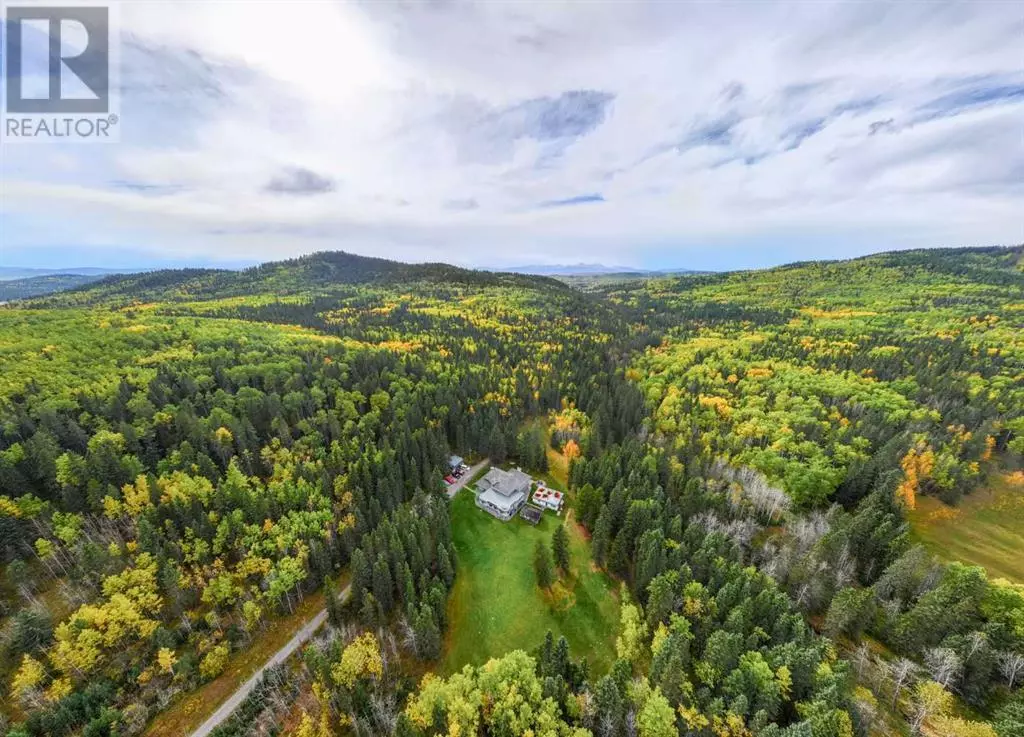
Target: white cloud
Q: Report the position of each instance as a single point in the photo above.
(695, 122)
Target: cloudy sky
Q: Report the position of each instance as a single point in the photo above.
(670, 134)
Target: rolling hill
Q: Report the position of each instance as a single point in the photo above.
(189, 458)
(35, 286)
(313, 274)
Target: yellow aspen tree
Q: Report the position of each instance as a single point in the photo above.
(60, 688)
(166, 659)
(629, 644)
(28, 677)
(361, 658)
(214, 662)
(305, 728)
(946, 726)
(917, 465)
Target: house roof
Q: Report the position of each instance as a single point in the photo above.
(506, 503)
(505, 483)
(455, 461)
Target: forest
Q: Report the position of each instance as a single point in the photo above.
(187, 456)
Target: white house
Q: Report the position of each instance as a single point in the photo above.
(502, 493)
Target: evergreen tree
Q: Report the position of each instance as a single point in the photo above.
(588, 505)
(609, 708)
(362, 577)
(444, 565)
(543, 568)
(383, 587)
(560, 549)
(370, 612)
(496, 447)
(335, 608)
(428, 634)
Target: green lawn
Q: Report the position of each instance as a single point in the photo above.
(496, 606)
(986, 529)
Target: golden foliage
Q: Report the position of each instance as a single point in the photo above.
(693, 718)
(28, 677)
(917, 465)
(361, 658)
(127, 614)
(719, 404)
(60, 688)
(990, 444)
(214, 662)
(946, 726)
(166, 659)
(307, 728)
(731, 725)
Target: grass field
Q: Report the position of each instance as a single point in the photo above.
(558, 469)
(986, 529)
(557, 475)
(496, 606)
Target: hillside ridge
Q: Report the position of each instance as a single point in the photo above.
(316, 271)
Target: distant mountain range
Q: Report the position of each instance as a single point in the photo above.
(23, 283)
(36, 286)
(587, 270)
(564, 269)
(323, 270)
(8, 273)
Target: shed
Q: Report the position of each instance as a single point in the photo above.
(531, 513)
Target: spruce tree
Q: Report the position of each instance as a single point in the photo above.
(496, 444)
(444, 564)
(362, 578)
(542, 565)
(428, 634)
(383, 586)
(560, 549)
(335, 611)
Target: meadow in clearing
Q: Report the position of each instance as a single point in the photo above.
(496, 605)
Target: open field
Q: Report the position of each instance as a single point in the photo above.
(496, 605)
(558, 470)
(557, 475)
(986, 529)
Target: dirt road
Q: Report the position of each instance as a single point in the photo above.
(226, 709)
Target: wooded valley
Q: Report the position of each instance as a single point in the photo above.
(189, 457)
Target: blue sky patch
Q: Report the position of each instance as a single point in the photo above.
(583, 199)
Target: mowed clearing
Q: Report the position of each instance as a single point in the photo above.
(496, 606)
(986, 529)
